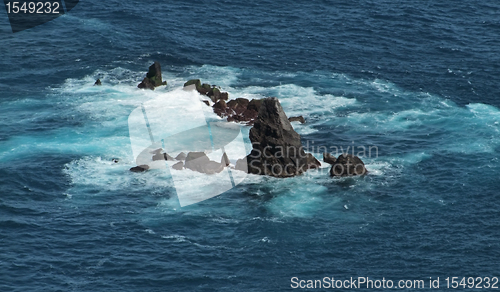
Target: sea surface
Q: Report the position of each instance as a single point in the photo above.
(419, 80)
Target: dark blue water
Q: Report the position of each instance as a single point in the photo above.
(417, 80)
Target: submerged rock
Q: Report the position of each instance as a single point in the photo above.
(98, 82)
(153, 78)
(277, 149)
(348, 165)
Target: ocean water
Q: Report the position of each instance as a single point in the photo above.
(418, 81)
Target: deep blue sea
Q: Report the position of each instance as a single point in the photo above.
(417, 79)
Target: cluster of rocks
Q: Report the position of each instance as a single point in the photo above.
(153, 78)
(195, 161)
(212, 91)
(276, 148)
(239, 110)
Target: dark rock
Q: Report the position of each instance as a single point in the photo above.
(203, 91)
(328, 158)
(255, 104)
(220, 108)
(277, 149)
(224, 95)
(115, 160)
(146, 84)
(239, 104)
(297, 119)
(153, 78)
(206, 102)
(348, 165)
(214, 94)
(140, 168)
(181, 156)
(199, 161)
(98, 82)
(195, 82)
(178, 166)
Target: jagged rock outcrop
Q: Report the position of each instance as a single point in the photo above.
(277, 149)
(348, 165)
(153, 78)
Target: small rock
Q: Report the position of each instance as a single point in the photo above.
(297, 119)
(224, 95)
(195, 82)
(348, 165)
(140, 168)
(115, 160)
(98, 82)
(178, 166)
(328, 158)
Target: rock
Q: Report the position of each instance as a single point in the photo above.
(181, 156)
(206, 102)
(214, 94)
(199, 161)
(224, 95)
(254, 104)
(239, 104)
(277, 149)
(195, 82)
(159, 155)
(297, 119)
(348, 165)
(146, 84)
(178, 166)
(140, 168)
(115, 160)
(98, 82)
(153, 78)
(167, 157)
(220, 108)
(328, 158)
